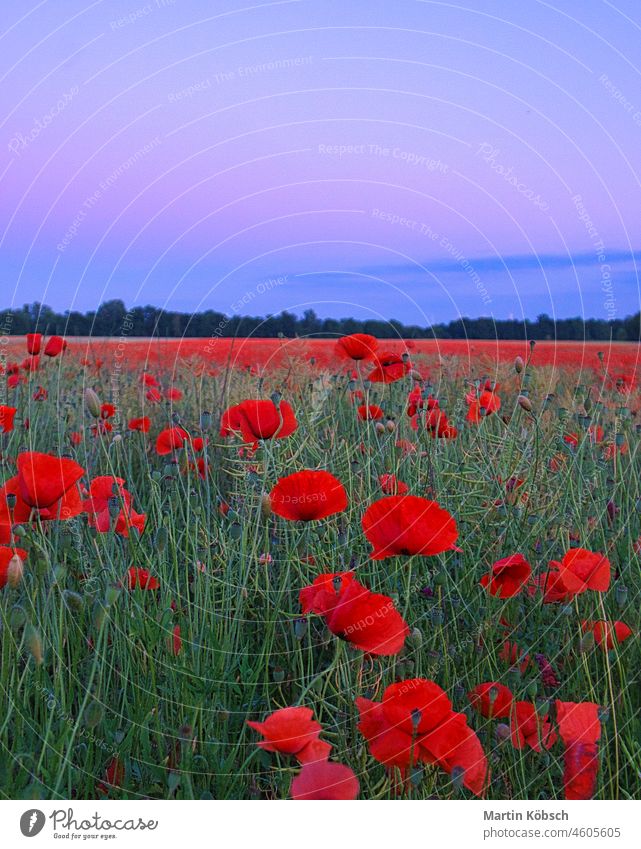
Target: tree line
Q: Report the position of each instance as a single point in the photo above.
(113, 318)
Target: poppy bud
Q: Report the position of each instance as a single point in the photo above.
(300, 628)
(111, 595)
(17, 617)
(72, 600)
(390, 425)
(93, 715)
(278, 675)
(621, 595)
(205, 420)
(415, 639)
(34, 643)
(15, 569)
(265, 505)
(587, 642)
(525, 403)
(518, 365)
(92, 402)
(161, 539)
(379, 427)
(235, 531)
(532, 689)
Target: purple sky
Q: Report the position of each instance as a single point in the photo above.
(416, 160)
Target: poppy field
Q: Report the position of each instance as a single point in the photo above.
(319, 569)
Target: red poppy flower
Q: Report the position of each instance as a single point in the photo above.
(106, 495)
(551, 585)
(511, 654)
(55, 345)
(408, 525)
(392, 486)
(487, 401)
(389, 368)
(6, 556)
(6, 418)
(325, 780)
(142, 424)
(256, 420)
(369, 621)
(582, 570)
(43, 479)
(170, 439)
(507, 576)
(491, 699)
(607, 634)
(394, 731)
(580, 730)
(529, 729)
(453, 745)
(371, 412)
(153, 396)
(288, 730)
(357, 346)
(75, 437)
(308, 495)
(141, 578)
(32, 364)
(34, 342)
(107, 411)
(114, 776)
(175, 643)
(148, 380)
(198, 443)
(174, 394)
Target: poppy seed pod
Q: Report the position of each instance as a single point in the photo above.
(92, 402)
(525, 403)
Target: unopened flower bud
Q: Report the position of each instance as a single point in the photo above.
(518, 365)
(525, 403)
(34, 644)
(92, 402)
(15, 568)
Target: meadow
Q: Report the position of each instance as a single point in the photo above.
(264, 569)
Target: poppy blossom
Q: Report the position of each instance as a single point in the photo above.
(367, 620)
(511, 654)
(55, 346)
(170, 439)
(551, 585)
(408, 525)
(43, 479)
(6, 418)
(485, 404)
(141, 578)
(414, 723)
(154, 396)
(507, 576)
(114, 776)
(109, 507)
(289, 731)
(6, 556)
(141, 424)
(580, 730)
(256, 420)
(325, 780)
(307, 495)
(582, 570)
(370, 412)
(607, 634)
(174, 394)
(392, 486)
(34, 343)
(528, 728)
(357, 346)
(175, 643)
(389, 368)
(491, 699)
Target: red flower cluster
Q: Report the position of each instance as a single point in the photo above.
(367, 620)
(414, 723)
(109, 507)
